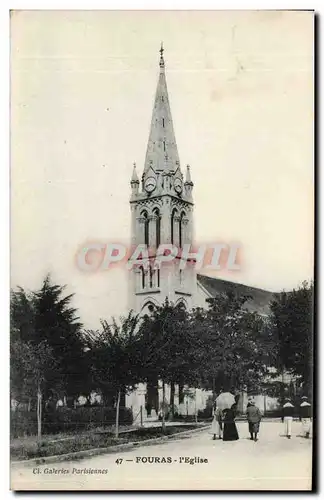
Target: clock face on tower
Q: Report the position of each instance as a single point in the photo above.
(150, 184)
(178, 186)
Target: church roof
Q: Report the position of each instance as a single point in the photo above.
(260, 299)
(162, 151)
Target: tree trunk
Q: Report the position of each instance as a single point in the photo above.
(123, 397)
(152, 397)
(117, 414)
(214, 388)
(172, 391)
(181, 395)
(282, 395)
(39, 412)
(163, 406)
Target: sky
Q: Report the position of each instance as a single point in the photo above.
(82, 89)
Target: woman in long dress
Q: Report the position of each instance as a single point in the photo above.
(216, 427)
(230, 431)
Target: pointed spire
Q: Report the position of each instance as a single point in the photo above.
(188, 176)
(134, 179)
(161, 57)
(162, 153)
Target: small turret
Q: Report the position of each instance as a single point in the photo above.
(134, 181)
(188, 184)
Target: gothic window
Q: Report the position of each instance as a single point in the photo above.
(148, 307)
(180, 275)
(163, 145)
(151, 276)
(146, 228)
(163, 122)
(143, 276)
(173, 215)
(157, 227)
(158, 278)
(181, 229)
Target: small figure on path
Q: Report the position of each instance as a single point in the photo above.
(254, 418)
(305, 413)
(230, 431)
(287, 416)
(216, 427)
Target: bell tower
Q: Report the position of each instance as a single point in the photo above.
(162, 212)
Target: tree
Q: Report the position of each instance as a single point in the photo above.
(168, 349)
(235, 344)
(29, 364)
(46, 315)
(22, 315)
(292, 319)
(57, 323)
(116, 358)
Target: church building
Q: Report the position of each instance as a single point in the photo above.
(162, 212)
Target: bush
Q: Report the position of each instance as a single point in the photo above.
(23, 423)
(186, 418)
(23, 449)
(65, 419)
(277, 413)
(29, 448)
(206, 413)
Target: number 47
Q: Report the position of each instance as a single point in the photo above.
(119, 461)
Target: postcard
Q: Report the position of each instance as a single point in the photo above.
(162, 250)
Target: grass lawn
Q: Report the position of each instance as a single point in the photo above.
(59, 444)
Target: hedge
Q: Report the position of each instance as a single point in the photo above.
(63, 419)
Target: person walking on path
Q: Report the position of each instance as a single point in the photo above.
(287, 416)
(230, 431)
(305, 414)
(254, 418)
(216, 427)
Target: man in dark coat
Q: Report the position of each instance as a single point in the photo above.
(253, 415)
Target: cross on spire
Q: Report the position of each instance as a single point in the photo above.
(161, 58)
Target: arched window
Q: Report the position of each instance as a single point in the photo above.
(181, 303)
(173, 215)
(151, 276)
(157, 227)
(181, 229)
(146, 228)
(143, 276)
(148, 307)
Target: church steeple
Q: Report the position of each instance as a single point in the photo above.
(162, 152)
(162, 211)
